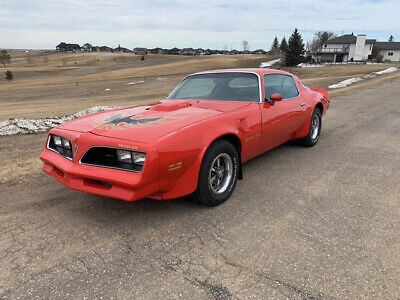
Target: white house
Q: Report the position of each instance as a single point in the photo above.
(345, 48)
(390, 51)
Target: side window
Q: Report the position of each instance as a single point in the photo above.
(280, 84)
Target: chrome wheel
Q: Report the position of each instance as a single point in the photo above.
(315, 127)
(220, 174)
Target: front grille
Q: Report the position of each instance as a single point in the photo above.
(107, 157)
(65, 148)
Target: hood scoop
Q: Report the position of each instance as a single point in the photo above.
(170, 106)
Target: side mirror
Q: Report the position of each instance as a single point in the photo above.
(276, 97)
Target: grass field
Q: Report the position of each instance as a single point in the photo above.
(55, 84)
(39, 91)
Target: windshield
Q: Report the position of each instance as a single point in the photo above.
(230, 86)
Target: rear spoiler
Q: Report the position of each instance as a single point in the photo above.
(322, 91)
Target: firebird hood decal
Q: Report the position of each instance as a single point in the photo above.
(121, 122)
(132, 120)
(147, 123)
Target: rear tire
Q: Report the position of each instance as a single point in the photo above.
(315, 130)
(218, 174)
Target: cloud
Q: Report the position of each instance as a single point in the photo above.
(206, 23)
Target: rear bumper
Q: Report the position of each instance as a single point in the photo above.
(119, 184)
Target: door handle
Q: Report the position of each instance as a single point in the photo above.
(302, 104)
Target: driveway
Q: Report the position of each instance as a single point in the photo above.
(316, 223)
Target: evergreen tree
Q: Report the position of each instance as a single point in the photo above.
(295, 50)
(275, 45)
(9, 75)
(391, 38)
(283, 46)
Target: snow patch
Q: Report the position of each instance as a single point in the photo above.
(387, 71)
(345, 83)
(303, 65)
(269, 63)
(350, 81)
(26, 126)
(133, 83)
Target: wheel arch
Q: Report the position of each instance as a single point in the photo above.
(320, 107)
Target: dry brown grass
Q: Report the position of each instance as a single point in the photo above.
(40, 91)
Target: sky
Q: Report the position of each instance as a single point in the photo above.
(42, 24)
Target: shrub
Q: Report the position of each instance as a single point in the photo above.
(9, 75)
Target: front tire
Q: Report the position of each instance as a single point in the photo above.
(315, 129)
(218, 174)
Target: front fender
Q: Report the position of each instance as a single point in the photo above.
(180, 160)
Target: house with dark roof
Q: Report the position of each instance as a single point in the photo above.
(105, 49)
(121, 49)
(156, 50)
(259, 51)
(64, 47)
(87, 47)
(346, 48)
(140, 50)
(390, 51)
(173, 51)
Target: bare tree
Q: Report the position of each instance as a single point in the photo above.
(245, 45)
(320, 38)
(5, 58)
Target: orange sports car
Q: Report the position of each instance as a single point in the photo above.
(192, 143)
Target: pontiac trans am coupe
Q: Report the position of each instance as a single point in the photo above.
(192, 143)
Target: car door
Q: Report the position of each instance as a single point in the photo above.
(281, 119)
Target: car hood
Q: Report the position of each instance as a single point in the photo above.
(147, 123)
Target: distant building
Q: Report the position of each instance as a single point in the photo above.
(87, 47)
(259, 51)
(188, 51)
(140, 51)
(121, 49)
(345, 48)
(200, 51)
(173, 51)
(390, 51)
(106, 49)
(64, 47)
(156, 51)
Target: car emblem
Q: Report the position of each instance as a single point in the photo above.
(76, 148)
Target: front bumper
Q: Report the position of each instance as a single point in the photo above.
(119, 184)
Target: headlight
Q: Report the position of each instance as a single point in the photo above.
(57, 140)
(122, 159)
(133, 158)
(61, 145)
(124, 156)
(139, 158)
(66, 143)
